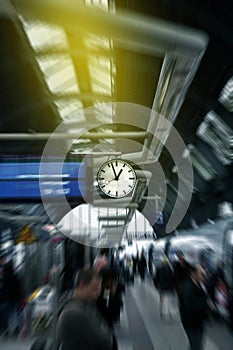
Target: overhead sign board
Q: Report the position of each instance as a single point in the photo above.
(21, 180)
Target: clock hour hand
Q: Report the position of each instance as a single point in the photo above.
(117, 177)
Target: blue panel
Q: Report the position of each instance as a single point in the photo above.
(21, 179)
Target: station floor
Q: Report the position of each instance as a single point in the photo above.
(141, 328)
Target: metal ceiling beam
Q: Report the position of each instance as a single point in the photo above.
(137, 31)
(113, 218)
(112, 226)
(114, 204)
(61, 136)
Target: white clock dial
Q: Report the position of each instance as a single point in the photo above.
(116, 178)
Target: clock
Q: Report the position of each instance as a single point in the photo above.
(116, 178)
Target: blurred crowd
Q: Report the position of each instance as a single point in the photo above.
(91, 299)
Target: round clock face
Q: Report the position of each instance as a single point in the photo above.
(116, 178)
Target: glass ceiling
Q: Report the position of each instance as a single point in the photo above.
(201, 164)
(218, 135)
(70, 90)
(226, 95)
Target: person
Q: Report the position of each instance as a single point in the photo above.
(230, 307)
(10, 296)
(142, 265)
(80, 324)
(67, 277)
(110, 302)
(181, 271)
(150, 259)
(135, 263)
(102, 260)
(165, 283)
(211, 283)
(128, 269)
(194, 306)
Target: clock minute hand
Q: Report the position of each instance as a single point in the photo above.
(114, 171)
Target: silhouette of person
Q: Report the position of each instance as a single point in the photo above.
(142, 265)
(80, 324)
(10, 296)
(181, 272)
(166, 287)
(194, 306)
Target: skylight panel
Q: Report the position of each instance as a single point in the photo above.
(100, 63)
(100, 69)
(218, 135)
(70, 110)
(103, 4)
(226, 95)
(59, 73)
(57, 69)
(44, 36)
(225, 210)
(105, 114)
(94, 42)
(201, 165)
(51, 46)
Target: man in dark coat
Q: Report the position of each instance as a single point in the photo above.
(165, 283)
(80, 325)
(10, 296)
(181, 271)
(142, 266)
(110, 301)
(194, 306)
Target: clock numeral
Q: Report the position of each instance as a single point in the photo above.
(130, 186)
(124, 191)
(116, 193)
(129, 171)
(109, 191)
(131, 178)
